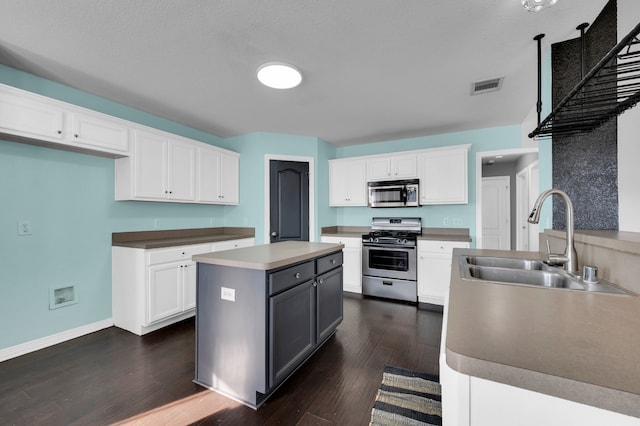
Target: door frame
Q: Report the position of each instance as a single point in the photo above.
(479, 156)
(267, 194)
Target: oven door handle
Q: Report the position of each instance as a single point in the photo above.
(387, 247)
(387, 282)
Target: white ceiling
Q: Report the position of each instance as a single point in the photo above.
(373, 69)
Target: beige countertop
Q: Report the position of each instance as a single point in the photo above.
(268, 256)
(178, 237)
(575, 345)
(437, 234)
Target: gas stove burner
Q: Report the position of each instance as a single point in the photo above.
(396, 231)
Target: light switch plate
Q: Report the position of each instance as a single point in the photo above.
(24, 227)
(228, 294)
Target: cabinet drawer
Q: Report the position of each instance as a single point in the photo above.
(328, 262)
(444, 247)
(292, 276)
(172, 254)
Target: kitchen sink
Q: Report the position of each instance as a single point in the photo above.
(529, 272)
(505, 262)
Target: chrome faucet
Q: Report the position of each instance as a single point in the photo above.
(570, 258)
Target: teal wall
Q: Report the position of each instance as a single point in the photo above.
(253, 148)
(69, 200)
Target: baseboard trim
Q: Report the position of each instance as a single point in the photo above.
(54, 339)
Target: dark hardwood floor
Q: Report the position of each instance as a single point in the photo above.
(113, 376)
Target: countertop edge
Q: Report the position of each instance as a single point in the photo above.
(560, 387)
(217, 258)
(179, 237)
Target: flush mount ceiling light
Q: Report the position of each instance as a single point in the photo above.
(537, 5)
(279, 75)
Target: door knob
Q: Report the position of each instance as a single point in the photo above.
(274, 233)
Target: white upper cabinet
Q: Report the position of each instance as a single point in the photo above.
(28, 116)
(172, 169)
(443, 175)
(99, 132)
(218, 173)
(347, 182)
(392, 167)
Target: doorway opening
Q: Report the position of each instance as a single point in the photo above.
(502, 208)
(308, 221)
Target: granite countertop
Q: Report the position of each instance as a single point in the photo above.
(437, 234)
(178, 237)
(575, 345)
(268, 256)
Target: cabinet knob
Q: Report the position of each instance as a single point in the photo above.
(321, 281)
(297, 275)
(333, 261)
(315, 284)
(59, 132)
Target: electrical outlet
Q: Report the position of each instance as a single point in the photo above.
(156, 222)
(24, 227)
(457, 221)
(445, 221)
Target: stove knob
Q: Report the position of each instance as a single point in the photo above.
(405, 241)
(376, 240)
(399, 241)
(370, 239)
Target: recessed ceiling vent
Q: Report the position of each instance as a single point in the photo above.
(485, 86)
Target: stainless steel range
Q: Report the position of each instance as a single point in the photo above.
(390, 259)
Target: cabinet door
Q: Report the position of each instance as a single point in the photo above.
(189, 285)
(181, 171)
(434, 274)
(96, 132)
(352, 269)
(292, 330)
(150, 156)
(329, 299)
(229, 174)
(348, 183)
(378, 169)
(24, 116)
(164, 292)
(443, 177)
(208, 175)
(404, 166)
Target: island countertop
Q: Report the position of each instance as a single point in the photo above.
(575, 345)
(268, 256)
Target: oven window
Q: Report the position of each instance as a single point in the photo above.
(390, 260)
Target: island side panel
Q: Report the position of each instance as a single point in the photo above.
(231, 339)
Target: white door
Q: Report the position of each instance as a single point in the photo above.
(526, 193)
(496, 216)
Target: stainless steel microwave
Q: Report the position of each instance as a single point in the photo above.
(394, 193)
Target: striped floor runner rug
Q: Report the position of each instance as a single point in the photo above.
(407, 398)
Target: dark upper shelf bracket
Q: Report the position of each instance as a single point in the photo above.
(610, 88)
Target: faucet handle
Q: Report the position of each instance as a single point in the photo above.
(555, 259)
(548, 248)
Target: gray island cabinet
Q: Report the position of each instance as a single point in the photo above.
(261, 312)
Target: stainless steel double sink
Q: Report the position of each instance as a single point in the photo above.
(529, 272)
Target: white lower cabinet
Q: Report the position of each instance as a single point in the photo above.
(351, 263)
(434, 269)
(157, 287)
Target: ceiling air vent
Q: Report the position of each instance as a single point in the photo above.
(485, 86)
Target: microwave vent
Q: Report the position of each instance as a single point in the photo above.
(485, 86)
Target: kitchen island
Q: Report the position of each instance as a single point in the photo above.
(261, 312)
(525, 355)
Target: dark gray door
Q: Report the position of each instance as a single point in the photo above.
(289, 199)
